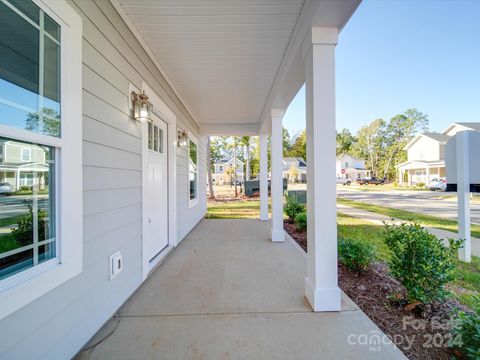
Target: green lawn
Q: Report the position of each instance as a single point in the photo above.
(358, 229)
(466, 286)
(388, 187)
(11, 220)
(7, 241)
(248, 209)
(422, 219)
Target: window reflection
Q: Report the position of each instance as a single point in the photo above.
(27, 206)
(29, 69)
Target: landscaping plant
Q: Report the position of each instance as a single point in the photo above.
(355, 255)
(301, 221)
(420, 261)
(23, 233)
(466, 334)
(292, 208)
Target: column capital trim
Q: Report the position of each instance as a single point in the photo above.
(319, 36)
(277, 112)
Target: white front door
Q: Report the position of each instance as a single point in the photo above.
(156, 214)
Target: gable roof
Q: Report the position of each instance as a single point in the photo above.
(227, 159)
(441, 138)
(354, 158)
(293, 159)
(470, 125)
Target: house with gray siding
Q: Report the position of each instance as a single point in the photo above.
(112, 101)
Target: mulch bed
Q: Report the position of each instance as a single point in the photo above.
(420, 333)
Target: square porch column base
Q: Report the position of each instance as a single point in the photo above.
(263, 217)
(323, 299)
(278, 235)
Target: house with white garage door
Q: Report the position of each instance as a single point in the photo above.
(121, 95)
(426, 155)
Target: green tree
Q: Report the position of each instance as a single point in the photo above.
(209, 168)
(399, 131)
(299, 145)
(370, 144)
(287, 142)
(46, 121)
(345, 142)
(246, 141)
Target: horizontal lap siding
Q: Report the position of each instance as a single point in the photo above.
(56, 325)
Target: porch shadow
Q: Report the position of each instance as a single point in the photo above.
(228, 292)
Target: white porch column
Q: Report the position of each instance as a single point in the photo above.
(17, 180)
(402, 175)
(263, 178)
(321, 282)
(427, 172)
(276, 161)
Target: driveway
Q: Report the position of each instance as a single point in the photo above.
(426, 202)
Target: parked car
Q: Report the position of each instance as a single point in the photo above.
(438, 184)
(344, 181)
(5, 188)
(372, 180)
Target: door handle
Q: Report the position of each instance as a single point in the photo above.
(149, 220)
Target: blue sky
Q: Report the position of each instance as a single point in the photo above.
(393, 55)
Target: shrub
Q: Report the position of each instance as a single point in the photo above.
(420, 185)
(420, 261)
(355, 255)
(293, 208)
(23, 234)
(466, 334)
(301, 221)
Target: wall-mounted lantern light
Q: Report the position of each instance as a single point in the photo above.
(142, 108)
(182, 138)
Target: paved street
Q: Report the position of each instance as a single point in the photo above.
(15, 205)
(427, 202)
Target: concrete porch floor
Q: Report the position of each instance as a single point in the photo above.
(227, 292)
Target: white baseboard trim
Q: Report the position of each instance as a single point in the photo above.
(323, 299)
(278, 236)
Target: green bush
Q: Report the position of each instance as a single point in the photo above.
(420, 261)
(23, 233)
(355, 255)
(293, 208)
(420, 185)
(301, 221)
(466, 334)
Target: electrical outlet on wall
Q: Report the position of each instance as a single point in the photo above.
(116, 264)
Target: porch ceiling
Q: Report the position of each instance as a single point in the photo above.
(224, 58)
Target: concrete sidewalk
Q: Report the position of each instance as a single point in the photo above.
(228, 292)
(378, 219)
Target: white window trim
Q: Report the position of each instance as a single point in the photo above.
(22, 288)
(192, 202)
(29, 154)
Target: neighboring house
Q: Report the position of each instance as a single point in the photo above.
(223, 171)
(351, 167)
(127, 174)
(295, 169)
(23, 165)
(426, 155)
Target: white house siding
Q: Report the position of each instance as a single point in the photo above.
(56, 325)
(424, 149)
